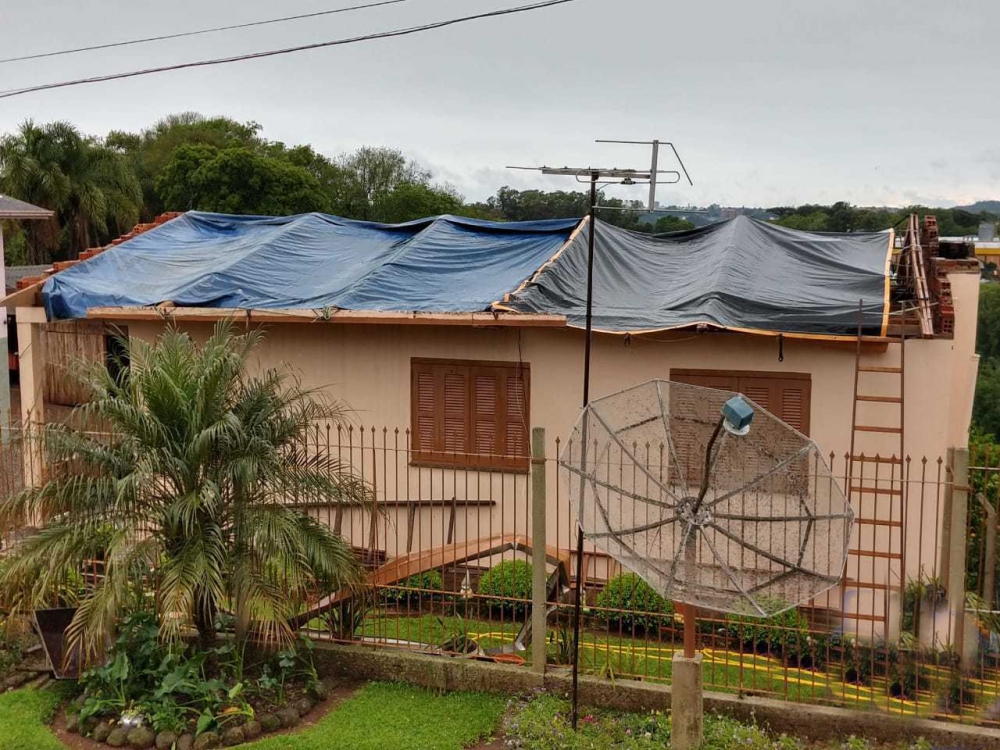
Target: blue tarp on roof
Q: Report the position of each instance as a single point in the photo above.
(440, 264)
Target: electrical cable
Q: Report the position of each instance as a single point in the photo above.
(180, 34)
(286, 50)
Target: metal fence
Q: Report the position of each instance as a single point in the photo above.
(450, 550)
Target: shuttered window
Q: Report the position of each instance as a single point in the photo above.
(470, 414)
(786, 395)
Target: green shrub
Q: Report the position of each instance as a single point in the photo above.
(429, 580)
(628, 602)
(859, 661)
(786, 634)
(510, 579)
(957, 692)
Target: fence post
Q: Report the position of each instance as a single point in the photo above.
(539, 603)
(957, 549)
(31, 357)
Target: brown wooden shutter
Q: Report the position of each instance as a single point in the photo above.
(456, 410)
(470, 414)
(516, 416)
(795, 403)
(424, 405)
(786, 395)
(758, 392)
(485, 411)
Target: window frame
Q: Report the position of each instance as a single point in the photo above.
(471, 460)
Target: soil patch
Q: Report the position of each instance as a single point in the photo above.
(338, 695)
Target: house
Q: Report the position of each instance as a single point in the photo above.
(451, 338)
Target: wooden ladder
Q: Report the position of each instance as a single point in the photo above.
(876, 489)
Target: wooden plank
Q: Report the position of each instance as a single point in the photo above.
(877, 459)
(879, 522)
(876, 490)
(404, 566)
(871, 585)
(874, 428)
(880, 368)
(361, 317)
(861, 616)
(874, 553)
(882, 399)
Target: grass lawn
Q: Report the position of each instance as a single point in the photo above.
(610, 654)
(383, 715)
(23, 717)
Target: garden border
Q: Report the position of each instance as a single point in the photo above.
(802, 720)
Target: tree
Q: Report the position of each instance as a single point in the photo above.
(988, 329)
(90, 186)
(237, 181)
(410, 201)
(370, 177)
(671, 224)
(531, 205)
(150, 150)
(986, 406)
(186, 490)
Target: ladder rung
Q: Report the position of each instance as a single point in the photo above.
(879, 522)
(877, 460)
(879, 368)
(873, 428)
(873, 586)
(876, 490)
(882, 399)
(875, 553)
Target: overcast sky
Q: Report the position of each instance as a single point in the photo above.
(769, 102)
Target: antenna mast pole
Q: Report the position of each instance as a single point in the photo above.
(619, 177)
(578, 604)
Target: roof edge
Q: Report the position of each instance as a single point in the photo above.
(165, 312)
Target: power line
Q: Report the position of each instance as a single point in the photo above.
(271, 53)
(213, 30)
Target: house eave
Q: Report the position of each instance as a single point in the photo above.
(298, 315)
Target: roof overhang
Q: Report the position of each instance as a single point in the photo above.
(12, 208)
(167, 312)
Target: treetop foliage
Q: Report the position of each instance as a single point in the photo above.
(100, 187)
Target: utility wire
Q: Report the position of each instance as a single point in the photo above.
(213, 30)
(271, 53)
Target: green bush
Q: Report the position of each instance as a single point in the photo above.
(628, 602)
(510, 579)
(786, 634)
(429, 580)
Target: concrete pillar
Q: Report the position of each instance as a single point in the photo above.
(687, 708)
(31, 354)
(5, 418)
(957, 547)
(539, 598)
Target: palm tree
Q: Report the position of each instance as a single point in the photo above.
(188, 486)
(91, 187)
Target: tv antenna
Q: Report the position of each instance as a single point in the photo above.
(605, 176)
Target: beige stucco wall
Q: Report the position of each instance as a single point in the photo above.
(368, 367)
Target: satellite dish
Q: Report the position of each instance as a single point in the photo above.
(710, 498)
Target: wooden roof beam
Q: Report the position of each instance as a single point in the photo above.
(206, 314)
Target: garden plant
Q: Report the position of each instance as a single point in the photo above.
(182, 481)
